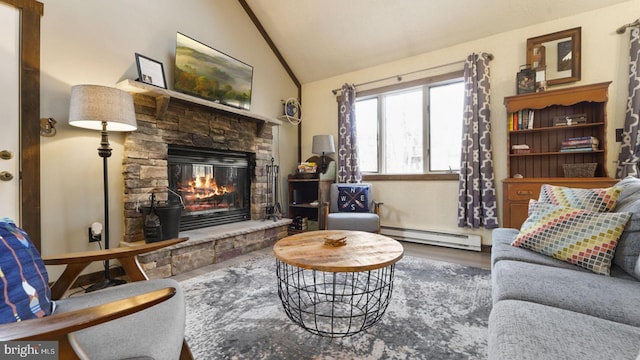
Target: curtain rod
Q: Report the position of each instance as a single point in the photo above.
(623, 28)
(399, 77)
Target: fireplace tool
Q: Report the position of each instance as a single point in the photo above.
(273, 209)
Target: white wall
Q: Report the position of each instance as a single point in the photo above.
(93, 42)
(432, 205)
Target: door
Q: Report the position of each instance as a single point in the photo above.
(20, 34)
(9, 112)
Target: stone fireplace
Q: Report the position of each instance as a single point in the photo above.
(187, 125)
(171, 126)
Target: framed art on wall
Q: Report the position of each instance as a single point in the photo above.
(560, 53)
(150, 71)
(207, 73)
(526, 80)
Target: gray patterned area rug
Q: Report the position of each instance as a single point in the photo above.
(438, 310)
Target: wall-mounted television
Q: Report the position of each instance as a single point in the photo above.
(207, 73)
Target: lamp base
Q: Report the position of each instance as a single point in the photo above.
(105, 284)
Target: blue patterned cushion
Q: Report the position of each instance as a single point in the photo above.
(24, 285)
(353, 199)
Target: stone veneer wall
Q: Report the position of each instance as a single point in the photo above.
(186, 124)
(206, 247)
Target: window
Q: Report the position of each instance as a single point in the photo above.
(416, 129)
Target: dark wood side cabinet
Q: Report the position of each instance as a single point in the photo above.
(302, 195)
(517, 192)
(544, 162)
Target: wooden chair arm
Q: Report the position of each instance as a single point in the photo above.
(376, 207)
(325, 214)
(107, 254)
(56, 325)
(77, 262)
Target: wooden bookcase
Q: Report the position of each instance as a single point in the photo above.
(545, 159)
(544, 163)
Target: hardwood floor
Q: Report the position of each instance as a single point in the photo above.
(465, 257)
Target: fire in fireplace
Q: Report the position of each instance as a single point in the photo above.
(215, 185)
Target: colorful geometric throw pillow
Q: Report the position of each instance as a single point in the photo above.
(24, 283)
(353, 199)
(584, 238)
(587, 199)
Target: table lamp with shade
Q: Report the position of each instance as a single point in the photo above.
(106, 109)
(323, 145)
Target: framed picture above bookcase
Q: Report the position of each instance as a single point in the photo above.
(543, 125)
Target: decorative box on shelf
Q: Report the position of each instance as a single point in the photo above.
(568, 120)
(586, 170)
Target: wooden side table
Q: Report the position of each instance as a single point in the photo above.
(336, 291)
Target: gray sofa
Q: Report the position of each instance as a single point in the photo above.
(545, 308)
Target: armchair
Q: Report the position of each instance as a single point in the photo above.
(137, 319)
(352, 207)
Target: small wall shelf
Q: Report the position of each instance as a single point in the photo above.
(164, 96)
(306, 191)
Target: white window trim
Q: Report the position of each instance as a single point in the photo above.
(443, 79)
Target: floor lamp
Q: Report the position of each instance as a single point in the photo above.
(106, 109)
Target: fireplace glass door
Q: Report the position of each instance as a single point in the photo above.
(214, 186)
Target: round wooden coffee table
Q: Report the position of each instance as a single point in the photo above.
(332, 290)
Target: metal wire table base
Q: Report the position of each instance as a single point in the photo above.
(334, 304)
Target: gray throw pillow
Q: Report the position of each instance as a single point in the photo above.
(628, 250)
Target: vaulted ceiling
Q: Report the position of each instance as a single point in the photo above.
(324, 38)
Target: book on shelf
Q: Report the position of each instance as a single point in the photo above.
(514, 121)
(578, 149)
(520, 149)
(583, 138)
(521, 120)
(584, 141)
(299, 223)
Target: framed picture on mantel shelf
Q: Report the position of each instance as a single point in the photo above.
(150, 71)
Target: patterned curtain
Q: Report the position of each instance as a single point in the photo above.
(630, 149)
(348, 165)
(476, 191)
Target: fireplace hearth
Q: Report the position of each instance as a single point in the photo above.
(215, 185)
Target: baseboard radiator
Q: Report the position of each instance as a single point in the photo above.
(459, 241)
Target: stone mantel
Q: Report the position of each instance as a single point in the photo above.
(164, 96)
